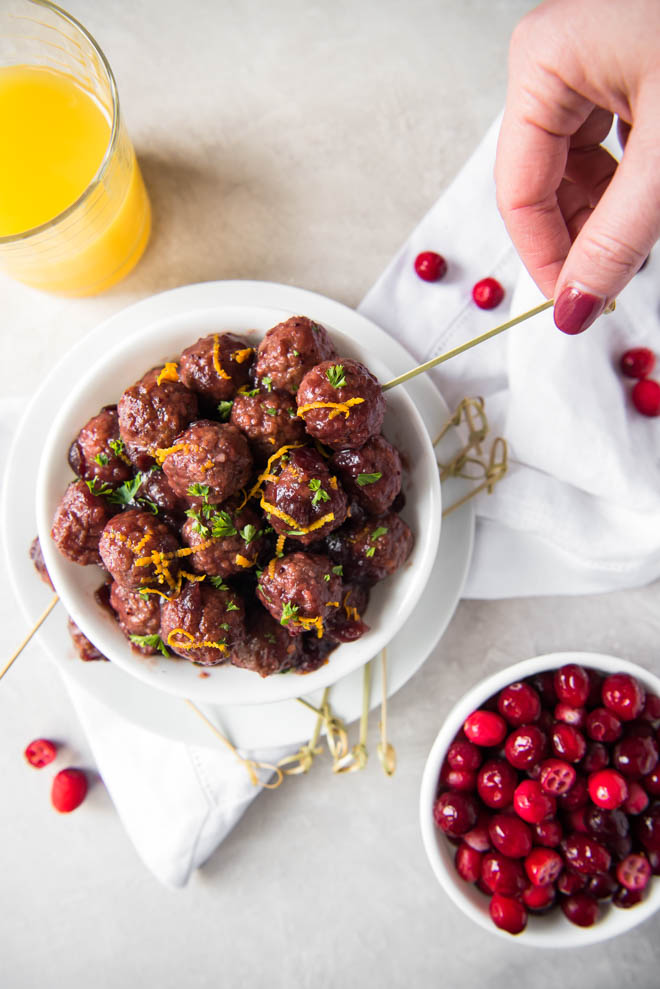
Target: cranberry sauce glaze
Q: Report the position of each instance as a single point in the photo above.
(242, 503)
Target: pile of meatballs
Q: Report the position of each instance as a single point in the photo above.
(240, 502)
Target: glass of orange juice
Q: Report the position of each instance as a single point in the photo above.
(74, 213)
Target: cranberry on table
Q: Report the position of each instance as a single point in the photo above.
(430, 266)
(624, 696)
(508, 914)
(40, 752)
(510, 835)
(485, 728)
(455, 813)
(69, 789)
(531, 803)
(646, 397)
(496, 783)
(487, 293)
(637, 362)
(607, 788)
(519, 703)
(581, 909)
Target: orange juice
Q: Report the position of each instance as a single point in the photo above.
(61, 165)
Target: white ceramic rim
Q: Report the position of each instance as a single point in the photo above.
(549, 930)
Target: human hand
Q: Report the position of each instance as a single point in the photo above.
(581, 224)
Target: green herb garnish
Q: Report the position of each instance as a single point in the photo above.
(101, 459)
(198, 491)
(270, 410)
(151, 641)
(326, 577)
(232, 607)
(126, 494)
(371, 551)
(336, 376)
(248, 533)
(224, 410)
(98, 487)
(319, 494)
(117, 446)
(222, 526)
(198, 525)
(364, 479)
(269, 637)
(338, 570)
(377, 533)
(289, 611)
(219, 583)
(267, 382)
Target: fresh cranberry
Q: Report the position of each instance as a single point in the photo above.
(519, 703)
(532, 803)
(623, 695)
(635, 756)
(506, 913)
(496, 783)
(651, 710)
(637, 362)
(570, 715)
(544, 685)
(525, 746)
(545, 722)
(584, 854)
(637, 800)
(548, 833)
(602, 725)
(468, 863)
(634, 872)
(464, 755)
(502, 875)
(620, 847)
(581, 909)
(602, 885)
(567, 742)
(570, 883)
(458, 779)
(485, 728)
(488, 293)
(651, 782)
(595, 688)
(543, 865)
(576, 820)
(40, 753)
(557, 777)
(625, 898)
(654, 862)
(606, 824)
(539, 898)
(607, 788)
(510, 835)
(596, 757)
(455, 812)
(648, 828)
(639, 728)
(430, 266)
(478, 837)
(577, 796)
(646, 397)
(572, 685)
(69, 789)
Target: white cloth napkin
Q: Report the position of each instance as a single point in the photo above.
(579, 512)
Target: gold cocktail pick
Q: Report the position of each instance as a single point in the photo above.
(39, 622)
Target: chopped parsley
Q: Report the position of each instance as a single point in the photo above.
(126, 494)
(117, 446)
(101, 459)
(224, 626)
(219, 583)
(232, 607)
(151, 641)
(250, 392)
(98, 487)
(289, 611)
(224, 410)
(338, 570)
(296, 353)
(364, 479)
(319, 494)
(377, 533)
(270, 410)
(371, 551)
(197, 490)
(222, 526)
(269, 637)
(248, 533)
(292, 412)
(198, 525)
(326, 577)
(267, 382)
(336, 376)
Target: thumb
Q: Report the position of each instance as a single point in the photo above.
(615, 240)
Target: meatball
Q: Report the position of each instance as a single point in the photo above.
(346, 624)
(269, 420)
(300, 591)
(85, 649)
(97, 451)
(305, 494)
(79, 521)
(203, 624)
(268, 647)
(372, 474)
(371, 549)
(216, 366)
(140, 551)
(137, 614)
(151, 415)
(289, 350)
(37, 558)
(342, 404)
(225, 541)
(213, 456)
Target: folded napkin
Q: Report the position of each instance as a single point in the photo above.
(579, 512)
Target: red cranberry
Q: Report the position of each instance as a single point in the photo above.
(485, 728)
(651, 710)
(606, 824)
(458, 779)
(571, 882)
(654, 862)
(543, 865)
(430, 266)
(464, 755)
(585, 854)
(572, 685)
(620, 847)
(510, 835)
(502, 875)
(478, 837)
(596, 757)
(570, 715)
(635, 756)
(602, 725)
(637, 800)
(625, 898)
(40, 752)
(634, 872)
(637, 362)
(602, 885)
(577, 796)
(576, 820)
(488, 293)
(539, 898)
(455, 813)
(595, 688)
(548, 833)
(557, 777)
(651, 782)
(648, 828)
(68, 790)
(581, 909)
(607, 788)
(646, 397)
(496, 783)
(623, 695)
(544, 685)
(506, 913)
(519, 703)
(531, 803)
(525, 746)
(468, 863)
(567, 742)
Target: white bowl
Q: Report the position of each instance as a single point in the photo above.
(551, 930)
(392, 600)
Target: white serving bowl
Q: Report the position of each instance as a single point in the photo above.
(551, 930)
(392, 600)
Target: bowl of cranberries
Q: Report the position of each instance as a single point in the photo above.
(540, 800)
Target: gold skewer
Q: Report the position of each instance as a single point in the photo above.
(27, 638)
(466, 346)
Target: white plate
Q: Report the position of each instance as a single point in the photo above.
(277, 723)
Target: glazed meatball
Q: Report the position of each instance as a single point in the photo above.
(371, 549)
(137, 614)
(203, 624)
(268, 647)
(371, 475)
(352, 404)
(140, 551)
(216, 366)
(213, 455)
(79, 521)
(346, 624)
(37, 558)
(300, 591)
(306, 493)
(269, 420)
(85, 649)
(289, 350)
(151, 415)
(97, 451)
(225, 541)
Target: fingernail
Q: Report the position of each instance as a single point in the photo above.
(576, 310)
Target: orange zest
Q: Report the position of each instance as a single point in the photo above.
(336, 407)
(279, 545)
(273, 510)
(240, 356)
(243, 561)
(216, 359)
(192, 642)
(169, 373)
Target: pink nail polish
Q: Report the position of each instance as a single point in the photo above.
(576, 310)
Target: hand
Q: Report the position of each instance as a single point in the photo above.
(582, 225)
